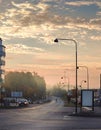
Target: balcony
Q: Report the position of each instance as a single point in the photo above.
(2, 62)
(2, 51)
(2, 71)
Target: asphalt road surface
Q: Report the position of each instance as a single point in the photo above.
(50, 116)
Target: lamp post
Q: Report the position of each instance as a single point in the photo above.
(100, 81)
(68, 77)
(82, 82)
(65, 81)
(57, 40)
(87, 75)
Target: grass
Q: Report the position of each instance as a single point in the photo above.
(70, 104)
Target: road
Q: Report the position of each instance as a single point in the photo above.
(50, 116)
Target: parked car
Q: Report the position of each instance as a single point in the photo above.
(30, 101)
(22, 102)
(97, 102)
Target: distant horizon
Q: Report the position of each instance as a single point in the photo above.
(51, 83)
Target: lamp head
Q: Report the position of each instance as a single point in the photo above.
(77, 67)
(61, 77)
(56, 40)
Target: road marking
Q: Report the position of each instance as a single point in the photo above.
(66, 117)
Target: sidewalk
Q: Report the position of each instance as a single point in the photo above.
(95, 113)
(97, 110)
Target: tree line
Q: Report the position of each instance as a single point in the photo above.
(32, 86)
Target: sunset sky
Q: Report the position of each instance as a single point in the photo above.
(28, 29)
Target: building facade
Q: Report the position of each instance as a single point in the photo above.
(2, 61)
(2, 71)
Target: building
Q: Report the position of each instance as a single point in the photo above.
(2, 71)
(2, 61)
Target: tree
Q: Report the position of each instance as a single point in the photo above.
(58, 91)
(40, 86)
(31, 86)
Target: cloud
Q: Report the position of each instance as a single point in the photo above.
(96, 38)
(22, 49)
(25, 18)
(99, 68)
(80, 3)
(39, 21)
(29, 14)
(96, 21)
(23, 5)
(84, 3)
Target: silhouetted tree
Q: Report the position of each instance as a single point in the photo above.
(32, 86)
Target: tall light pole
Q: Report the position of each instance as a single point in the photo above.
(68, 77)
(82, 82)
(57, 40)
(87, 75)
(100, 81)
(65, 81)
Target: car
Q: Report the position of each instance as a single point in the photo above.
(22, 102)
(97, 102)
(30, 101)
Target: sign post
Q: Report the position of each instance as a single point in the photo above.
(87, 98)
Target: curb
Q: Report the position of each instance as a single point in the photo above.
(85, 114)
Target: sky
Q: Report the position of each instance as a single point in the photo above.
(28, 29)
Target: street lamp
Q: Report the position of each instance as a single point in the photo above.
(87, 75)
(57, 40)
(65, 81)
(82, 82)
(100, 81)
(66, 78)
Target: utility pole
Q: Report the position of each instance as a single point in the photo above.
(100, 82)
